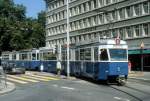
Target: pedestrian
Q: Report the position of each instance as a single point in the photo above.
(41, 67)
(129, 66)
(58, 68)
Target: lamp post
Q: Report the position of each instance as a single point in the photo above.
(142, 46)
(68, 41)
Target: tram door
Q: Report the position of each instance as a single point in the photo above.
(82, 59)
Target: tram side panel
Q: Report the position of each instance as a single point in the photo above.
(49, 66)
(103, 70)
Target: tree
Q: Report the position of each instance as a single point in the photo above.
(18, 31)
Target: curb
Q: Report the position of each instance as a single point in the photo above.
(136, 74)
(10, 88)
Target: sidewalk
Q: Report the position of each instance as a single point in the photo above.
(9, 87)
(139, 75)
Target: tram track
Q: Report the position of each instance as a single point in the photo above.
(145, 82)
(135, 93)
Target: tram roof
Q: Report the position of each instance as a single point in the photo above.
(46, 48)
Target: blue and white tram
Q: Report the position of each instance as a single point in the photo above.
(48, 58)
(103, 59)
(28, 59)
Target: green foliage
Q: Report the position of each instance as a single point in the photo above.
(17, 31)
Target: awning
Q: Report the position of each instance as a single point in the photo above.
(138, 51)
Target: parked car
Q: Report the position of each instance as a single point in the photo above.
(11, 68)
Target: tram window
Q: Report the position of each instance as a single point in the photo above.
(33, 56)
(49, 56)
(88, 54)
(24, 57)
(64, 55)
(118, 54)
(104, 55)
(14, 56)
(41, 56)
(77, 54)
(37, 56)
(81, 54)
(96, 53)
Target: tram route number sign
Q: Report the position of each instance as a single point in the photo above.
(117, 41)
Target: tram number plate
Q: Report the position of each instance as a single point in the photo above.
(121, 75)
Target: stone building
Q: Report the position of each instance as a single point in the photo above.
(102, 18)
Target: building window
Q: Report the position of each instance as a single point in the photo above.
(114, 33)
(121, 13)
(122, 34)
(80, 10)
(108, 2)
(128, 11)
(114, 15)
(100, 19)
(137, 30)
(84, 7)
(145, 28)
(145, 8)
(137, 9)
(93, 4)
(87, 6)
(129, 32)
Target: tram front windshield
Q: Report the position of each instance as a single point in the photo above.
(118, 54)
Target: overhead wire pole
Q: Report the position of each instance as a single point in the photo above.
(68, 41)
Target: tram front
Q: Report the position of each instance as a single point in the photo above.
(118, 65)
(114, 61)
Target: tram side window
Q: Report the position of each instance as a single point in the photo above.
(77, 55)
(49, 56)
(33, 56)
(24, 57)
(104, 55)
(37, 56)
(14, 56)
(96, 53)
(64, 55)
(81, 54)
(88, 54)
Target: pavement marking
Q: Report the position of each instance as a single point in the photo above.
(15, 80)
(121, 99)
(35, 78)
(69, 88)
(22, 78)
(55, 85)
(45, 77)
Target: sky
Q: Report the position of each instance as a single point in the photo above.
(32, 6)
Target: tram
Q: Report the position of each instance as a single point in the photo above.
(99, 59)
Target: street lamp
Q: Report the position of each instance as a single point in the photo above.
(68, 41)
(141, 47)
